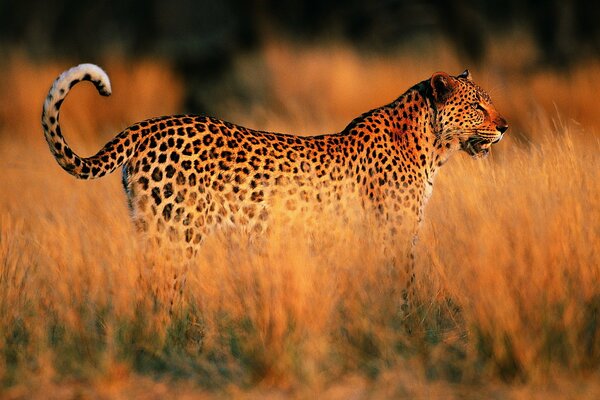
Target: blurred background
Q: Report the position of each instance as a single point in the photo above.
(202, 40)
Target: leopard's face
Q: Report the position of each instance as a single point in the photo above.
(466, 116)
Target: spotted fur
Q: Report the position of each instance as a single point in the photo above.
(187, 175)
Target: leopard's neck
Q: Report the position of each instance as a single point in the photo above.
(417, 131)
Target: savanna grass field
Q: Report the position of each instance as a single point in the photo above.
(508, 267)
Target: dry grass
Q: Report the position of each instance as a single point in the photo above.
(508, 269)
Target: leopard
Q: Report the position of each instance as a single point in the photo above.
(188, 176)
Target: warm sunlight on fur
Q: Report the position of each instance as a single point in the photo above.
(508, 262)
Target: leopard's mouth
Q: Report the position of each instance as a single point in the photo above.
(479, 146)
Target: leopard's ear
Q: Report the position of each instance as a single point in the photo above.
(465, 74)
(442, 85)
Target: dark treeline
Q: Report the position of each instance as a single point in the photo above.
(200, 37)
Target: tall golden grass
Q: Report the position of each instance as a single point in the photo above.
(508, 268)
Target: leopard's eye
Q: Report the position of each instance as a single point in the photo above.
(477, 106)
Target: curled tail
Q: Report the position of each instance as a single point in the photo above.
(113, 155)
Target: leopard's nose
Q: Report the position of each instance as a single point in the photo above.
(502, 128)
(501, 125)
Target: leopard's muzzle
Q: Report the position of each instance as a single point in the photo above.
(479, 145)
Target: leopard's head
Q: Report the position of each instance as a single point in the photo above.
(465, 116)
